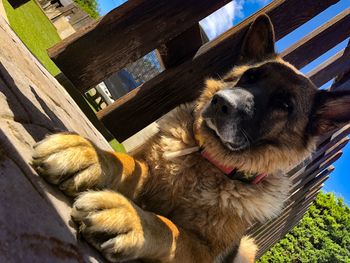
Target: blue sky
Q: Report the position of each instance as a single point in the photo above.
(238, 10)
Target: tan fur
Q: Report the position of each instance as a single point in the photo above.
(268, 159)
(212, 212)
(246, 251)
(182, 209)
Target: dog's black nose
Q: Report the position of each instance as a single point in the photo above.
(221, 104)
(230, 103)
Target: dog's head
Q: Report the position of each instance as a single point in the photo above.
(264, 114)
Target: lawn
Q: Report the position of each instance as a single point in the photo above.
(35, 30)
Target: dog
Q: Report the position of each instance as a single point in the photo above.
(216, 165)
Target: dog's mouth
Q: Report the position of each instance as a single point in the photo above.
(235, 144)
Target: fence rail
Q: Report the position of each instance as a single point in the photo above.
(139, 26)
(183, 83)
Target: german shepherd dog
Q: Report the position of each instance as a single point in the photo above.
(215, 166)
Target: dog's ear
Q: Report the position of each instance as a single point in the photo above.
(331, 110)
(259, 41)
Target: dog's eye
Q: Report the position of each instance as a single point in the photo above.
(284, 105)
(250, 76)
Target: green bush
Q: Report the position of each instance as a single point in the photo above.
(323, 235)
(89, 6)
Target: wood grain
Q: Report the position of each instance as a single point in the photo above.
(319, 41)
(183, 83)
(124, 35)
(34, 216)
(328, 70)
(181, 48)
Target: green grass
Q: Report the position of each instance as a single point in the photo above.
(118, 147)
(38, 33)
(35, 30)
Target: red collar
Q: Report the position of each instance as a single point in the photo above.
(232, 172)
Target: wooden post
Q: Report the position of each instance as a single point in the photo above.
(33, 215)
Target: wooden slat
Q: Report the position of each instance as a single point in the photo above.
(180, 48)
(34, 215)
(319, 41)
(318, 161)
(289, 217)
(342, 80)
(307, 176)
(278, 236)
(343, 83)
(264, 246)
(328, 70)
(150, 101)
(316, 186)
(124, 35)
(311, 185)
(322, 148)
(307, 182)
(261, 232)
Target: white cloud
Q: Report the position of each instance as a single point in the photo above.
(222, 19)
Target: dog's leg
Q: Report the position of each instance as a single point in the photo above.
(75, 164)
(247, 251)
(123, 231)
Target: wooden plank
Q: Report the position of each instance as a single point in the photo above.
(124, 35)
(328, 70)
(34, 216)
(315, 183)
(321, 149)
(343, 83)
(280, 227)
(297, 206)
(180, 48)
(260, 232)
(265, 245)
(180, 84)
(297, 194)
(279, 235)
(305, 185)
(329, 34)
(277, 225)
(319, 160)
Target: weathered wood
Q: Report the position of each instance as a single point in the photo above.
(342, 83)
(319, 41)
(300, 188)
(180, 48)
(83, 105)
(177, 85)
(124, 35)
(328, 70)
(280, 234)
(34, 216)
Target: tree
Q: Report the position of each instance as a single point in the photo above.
(323, 235)
(89, 6)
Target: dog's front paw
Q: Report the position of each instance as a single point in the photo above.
(111, 223)
(69, 161)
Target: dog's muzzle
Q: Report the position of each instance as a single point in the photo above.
(225, 113)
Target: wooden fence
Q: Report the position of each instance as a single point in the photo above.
(140, 26)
